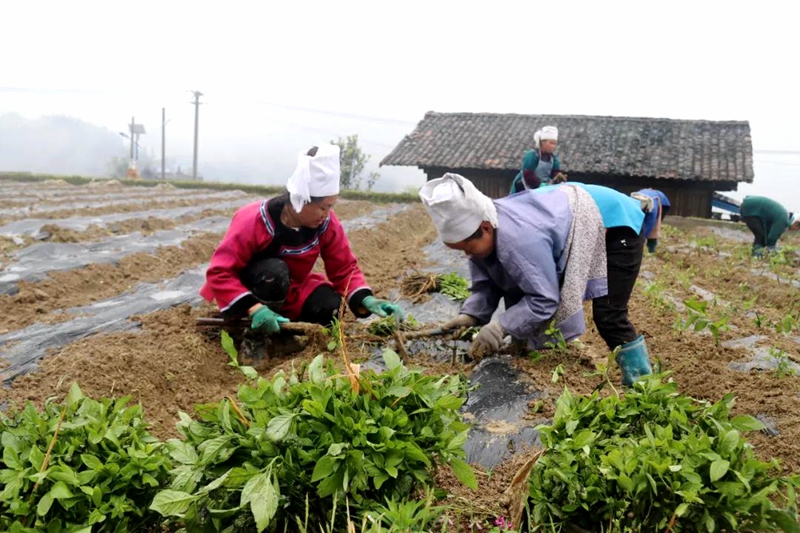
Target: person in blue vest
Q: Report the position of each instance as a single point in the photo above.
(541, 165)
(544, 252)
(654, 215)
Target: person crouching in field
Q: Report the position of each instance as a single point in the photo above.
(544, 252)
(263, 266)
(768, 221)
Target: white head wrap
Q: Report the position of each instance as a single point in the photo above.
(548, 133)
(314, 176)
(456, 207)
(795, 218)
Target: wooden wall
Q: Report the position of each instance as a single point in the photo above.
(688, 198)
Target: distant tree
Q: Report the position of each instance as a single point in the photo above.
(352, 161)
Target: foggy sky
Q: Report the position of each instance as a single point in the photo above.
(104, 62)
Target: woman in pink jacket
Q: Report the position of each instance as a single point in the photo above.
(263, 266)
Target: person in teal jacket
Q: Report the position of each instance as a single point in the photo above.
(541, 165)
(768, 220)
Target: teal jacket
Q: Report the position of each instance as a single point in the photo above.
(774, 217)
(529, 164)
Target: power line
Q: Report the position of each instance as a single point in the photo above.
(337, 113)
(341, 114)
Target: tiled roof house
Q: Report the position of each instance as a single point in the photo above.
(686, 159)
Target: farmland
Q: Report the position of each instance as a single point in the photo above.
(99, 281)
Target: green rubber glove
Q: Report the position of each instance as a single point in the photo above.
(267, 320)
(383, 308)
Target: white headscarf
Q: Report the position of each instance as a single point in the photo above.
(456, 207)
(795, 218)
(314, 176)
(548, 133)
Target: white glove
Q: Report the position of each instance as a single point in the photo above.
(461, 321)
(488, 340)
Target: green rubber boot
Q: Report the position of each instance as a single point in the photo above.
(634, 361)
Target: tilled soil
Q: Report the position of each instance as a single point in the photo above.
(36, 301)
(171, 364)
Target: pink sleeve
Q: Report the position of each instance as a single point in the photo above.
(246, 235)
(341, 265)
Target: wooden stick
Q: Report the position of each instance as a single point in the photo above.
(238, 412)
(408, 335)
(46, 461)
(400, 343)
(292, 327)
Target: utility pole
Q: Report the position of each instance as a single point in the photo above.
(197, 95)
(133, 123)
(163, 141)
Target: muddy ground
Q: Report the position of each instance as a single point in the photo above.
(171, 364)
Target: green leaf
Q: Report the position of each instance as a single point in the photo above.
(746, 423)
(172, 502)
(36, 457)
(60, 491)
(457, 442)
(45, 502)
(719, 469)
(212, 448)
(249, 372)
(785, 520)
(230, 349)
(450, 402)
(729, 442)
(710, 523)
(391, 359)
(399, 391)
(182, 452)
(91, 461)
(65, 474)
(324, 468)
(682, 509)
(316, 374)
(464, 473)
(262, 495)
(11, 458)
(75, 395)
(278, 427)
(336, 448)
(313, 408)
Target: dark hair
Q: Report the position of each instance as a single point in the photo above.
(313, 200)
(312, 151)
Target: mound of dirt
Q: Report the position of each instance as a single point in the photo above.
(59, 183)
(104, 184)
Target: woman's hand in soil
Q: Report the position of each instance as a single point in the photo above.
(384, 308)
(265, 319)
(488, 340)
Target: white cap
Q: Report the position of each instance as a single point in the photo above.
(456, 207)
(548, 133)
(314, 176)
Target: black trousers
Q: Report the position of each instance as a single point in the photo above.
(624, 250)
(269, 280)
(755, 225)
